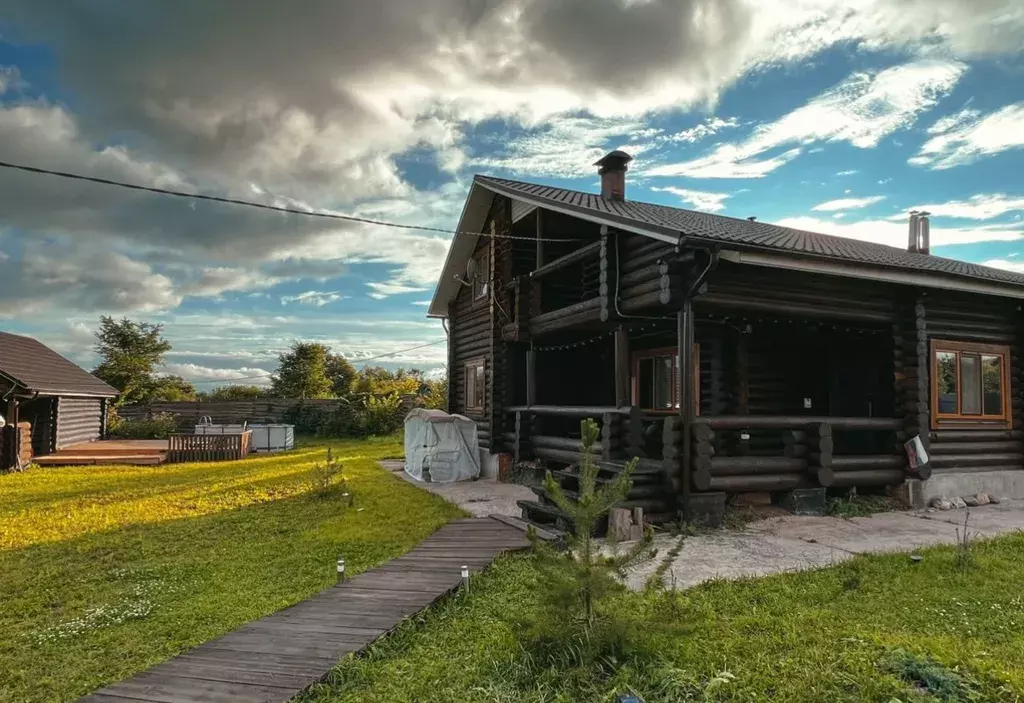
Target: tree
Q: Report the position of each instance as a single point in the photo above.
(129, 351)
(579, 577)
(377, 380)
(342, 375)
(303, 372)
(171, 389)
(236, 393)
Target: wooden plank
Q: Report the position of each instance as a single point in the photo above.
(272, 659)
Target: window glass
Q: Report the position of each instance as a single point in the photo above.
(480, 385)
(945, 381)
(970, 384)
(663, 387)
(645, 383)
(992, 384)
(475, 385)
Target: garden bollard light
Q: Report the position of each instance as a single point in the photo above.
(341, 570)
(465, 577)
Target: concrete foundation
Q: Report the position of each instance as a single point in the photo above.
(1004, 484)
(488, 464)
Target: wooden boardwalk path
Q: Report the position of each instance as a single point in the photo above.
(271, 660)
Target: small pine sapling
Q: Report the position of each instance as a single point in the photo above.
(580, 576)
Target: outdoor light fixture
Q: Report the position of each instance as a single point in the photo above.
(465, 577)
(341, 570)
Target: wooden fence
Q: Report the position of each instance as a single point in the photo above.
(208, 447)
(263, 411)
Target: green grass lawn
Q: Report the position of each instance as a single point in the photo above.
(861, 631)
(106, 570)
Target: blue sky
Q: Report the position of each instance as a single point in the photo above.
(824, 115)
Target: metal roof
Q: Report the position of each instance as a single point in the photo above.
(758, 243)
(729, 230)
(38, 369)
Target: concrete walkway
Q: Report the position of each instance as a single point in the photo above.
(794, 543)
(480, 498)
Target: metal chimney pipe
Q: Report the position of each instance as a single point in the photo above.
(924, 226)
(913, 238)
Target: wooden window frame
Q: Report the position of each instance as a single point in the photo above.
(958, 420)
(469, 368)
(673, 353)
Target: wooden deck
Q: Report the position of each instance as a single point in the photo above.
(141, 452)
(273, 659)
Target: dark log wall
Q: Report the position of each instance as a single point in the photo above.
(78, 420)
(979, 319)
(475, 327)
(41, 413)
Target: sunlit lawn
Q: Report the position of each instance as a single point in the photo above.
(826, 635)
(106, 570)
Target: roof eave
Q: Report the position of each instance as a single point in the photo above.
(798, 261)
(445, 290)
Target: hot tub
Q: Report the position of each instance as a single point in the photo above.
(265, 438)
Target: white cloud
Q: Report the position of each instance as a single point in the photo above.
(1015, 266)
(4, 256)
(848, 203)
(313, 297)
(422, 303)
(971, 137)
(706, 129)
(196, 373)
(977, 207)
(700, 199)
(562, 147)
(847, 173)
(383, 289)
(895, 233)
(861, 110)
(216, 280)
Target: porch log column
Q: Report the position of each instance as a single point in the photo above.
(684, 394)
(531, 378)
(607, 275)
(622, 370)
(911, 371)
(819, 442)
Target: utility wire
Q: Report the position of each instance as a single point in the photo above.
(357, 361)
(262, 206)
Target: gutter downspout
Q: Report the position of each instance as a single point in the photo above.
(451, 373)
(684, 376)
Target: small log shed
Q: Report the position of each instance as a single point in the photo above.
(729, 355)
(63, 403)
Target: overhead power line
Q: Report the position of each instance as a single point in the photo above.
(263, 206)
(357, 361)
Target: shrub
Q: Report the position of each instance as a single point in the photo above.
(307, 419)
(159, 426)
(379, 415)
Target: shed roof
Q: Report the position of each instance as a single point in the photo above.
(837, 255)
(38, 369)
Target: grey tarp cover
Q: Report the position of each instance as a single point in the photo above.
(440, 447)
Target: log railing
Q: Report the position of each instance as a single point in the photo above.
(740, 453)
(208, 447)
(621, 432)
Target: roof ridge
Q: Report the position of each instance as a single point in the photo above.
(729, 229)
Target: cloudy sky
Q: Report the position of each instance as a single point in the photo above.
(830, 115)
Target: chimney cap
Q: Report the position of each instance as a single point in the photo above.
(613, 161)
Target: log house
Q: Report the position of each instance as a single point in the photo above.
(807, 360)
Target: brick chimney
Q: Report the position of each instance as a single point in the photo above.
(612, 169)
(919, 236)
